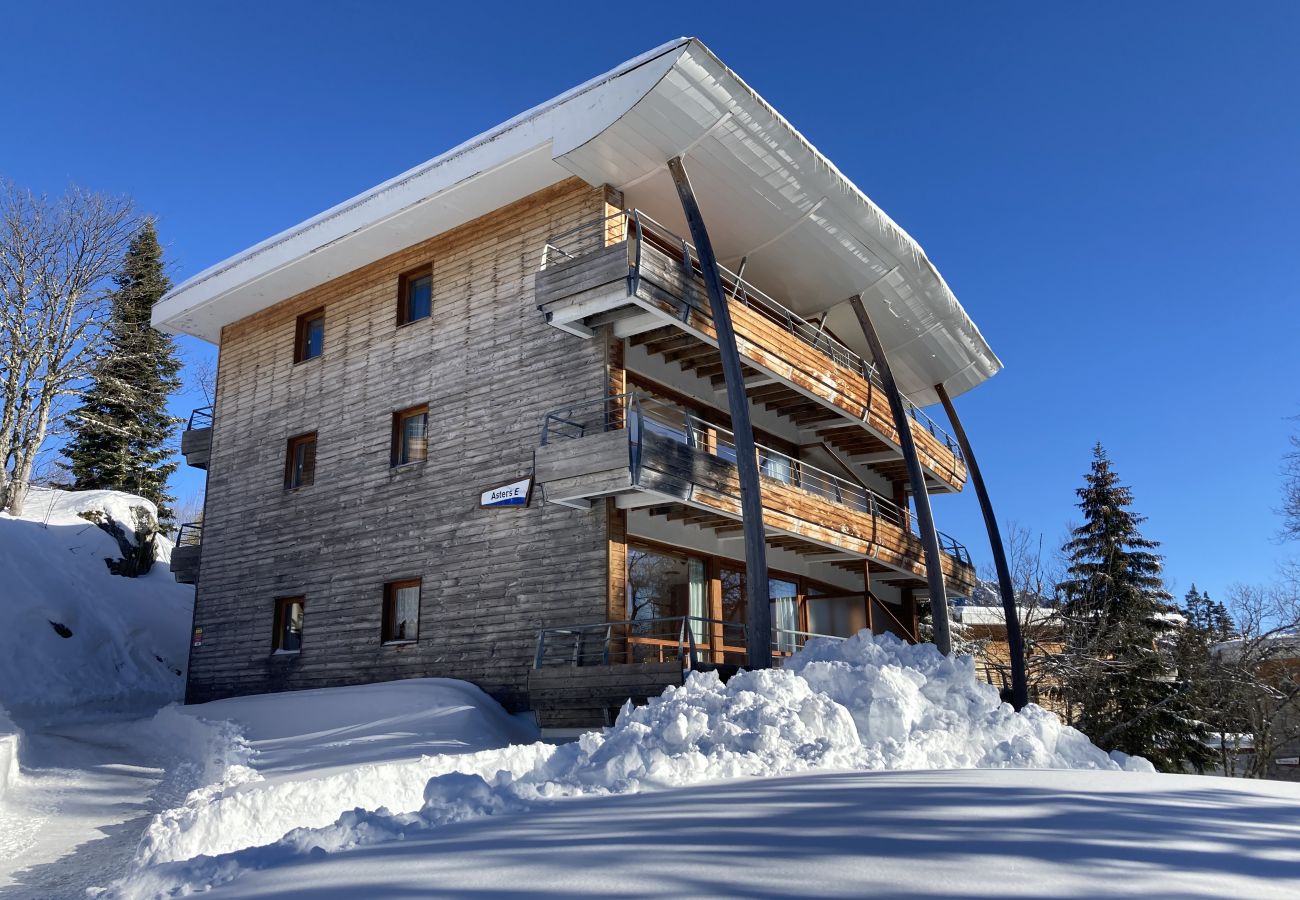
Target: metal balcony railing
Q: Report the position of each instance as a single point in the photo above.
(689, 640)
(639, 413)
(636, 225)
(190, 535)
(200, 418)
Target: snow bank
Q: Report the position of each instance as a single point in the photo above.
(71, 632)
(303, 758)
(862, 704)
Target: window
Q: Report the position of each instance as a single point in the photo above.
(415, 295)
(288, 625)
(300, 461)
(310, 340)
(410, 435)
(401, 611)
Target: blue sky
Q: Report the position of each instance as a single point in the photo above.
(1112, 189)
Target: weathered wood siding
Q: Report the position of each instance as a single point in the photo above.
(488, 367)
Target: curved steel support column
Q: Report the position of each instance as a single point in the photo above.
(920, 495)
(1010, 611)
(758, 637)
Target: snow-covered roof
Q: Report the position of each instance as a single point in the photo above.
(810, 236)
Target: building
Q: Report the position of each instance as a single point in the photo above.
(524, 310)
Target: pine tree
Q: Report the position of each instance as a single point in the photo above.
(1122, 685)
(121, 430)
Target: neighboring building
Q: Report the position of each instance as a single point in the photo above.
(524, 308)
(984, 626)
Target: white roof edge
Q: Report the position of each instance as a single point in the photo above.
(523, 155)
(909, 242)
(165, 310)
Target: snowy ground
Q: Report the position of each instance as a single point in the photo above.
(86, 793)
(864, 766)
(89, 769)
(951, 834)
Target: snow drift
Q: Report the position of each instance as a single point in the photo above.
(861, 704)
(73, 633)
(302, 759)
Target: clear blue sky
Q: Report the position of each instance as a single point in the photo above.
(1112, 189)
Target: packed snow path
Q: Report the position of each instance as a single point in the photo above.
(73, 820)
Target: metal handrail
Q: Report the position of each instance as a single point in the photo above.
(590, 237)
(576, 420)
(190, 535)
(688, 648)
(200, 418)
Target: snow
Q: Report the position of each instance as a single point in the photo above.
(128, 636)
(304, 758)
(861, 762)
(867, 703)
(916, 834)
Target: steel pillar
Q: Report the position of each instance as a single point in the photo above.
(920, 495)
(1010, 609)
(758, 636)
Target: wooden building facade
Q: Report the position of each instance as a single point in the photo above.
(526, 309)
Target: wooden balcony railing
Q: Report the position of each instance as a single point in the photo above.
(659, 273)
(635, 443)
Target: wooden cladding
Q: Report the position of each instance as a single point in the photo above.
(375, 524)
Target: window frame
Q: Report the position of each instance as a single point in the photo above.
(291, 445)
(396, 444)
(404, 282)
(300, 345)
(278, 624)
(391, 588)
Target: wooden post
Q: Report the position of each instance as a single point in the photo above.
(1010, 609)
(759, 612)
(920, 495)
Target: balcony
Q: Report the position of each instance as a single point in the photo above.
(644, 452)
(629, 272)
(186, 553)
(583, 674)
(196, 439)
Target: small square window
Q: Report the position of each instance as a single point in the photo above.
(300, 461)
(401, 611)
(415, 295)
(410, 435)
(310, 340)
(288, 625)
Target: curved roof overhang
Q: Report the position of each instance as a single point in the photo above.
(809, 236)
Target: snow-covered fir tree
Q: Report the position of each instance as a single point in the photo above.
(1118, 674)
(121, 430)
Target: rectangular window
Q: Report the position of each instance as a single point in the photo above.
(300, 461)
(410, 435)
(415, 295)
(310, 340)
(288, 625)
(401, 611)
